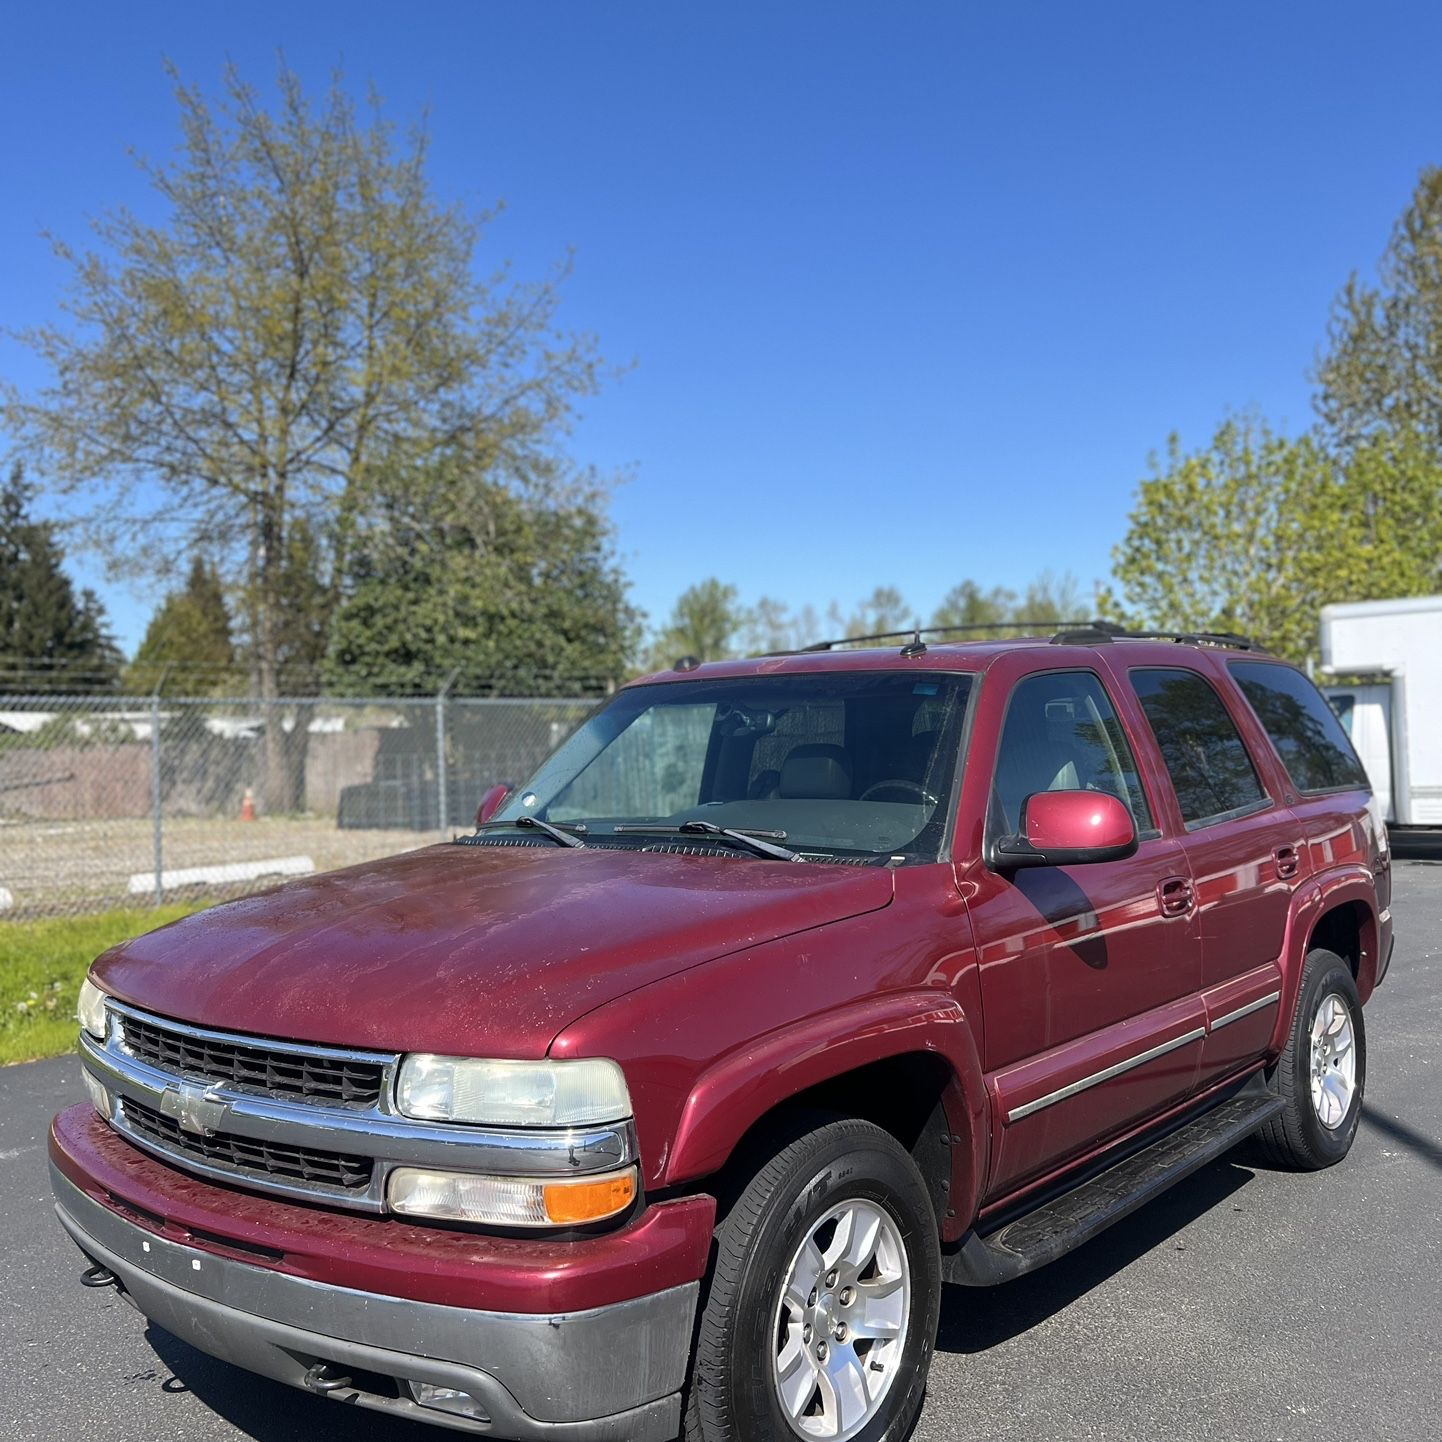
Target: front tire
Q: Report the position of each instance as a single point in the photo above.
(1323, 1071)
(821, 1317)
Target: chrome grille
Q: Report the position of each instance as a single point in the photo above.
(302, 1119)
(336, 1080)
(251, 1157)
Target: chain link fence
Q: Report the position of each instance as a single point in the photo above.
(122, 801)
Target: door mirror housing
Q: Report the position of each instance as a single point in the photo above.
(1067, 828)
(491, 802)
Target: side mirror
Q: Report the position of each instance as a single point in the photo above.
(1068, 828)
(491, 802)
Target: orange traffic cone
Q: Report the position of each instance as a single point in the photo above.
(247, 806)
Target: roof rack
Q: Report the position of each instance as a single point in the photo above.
(1106, 631)
(1070, 633)
(913, 634)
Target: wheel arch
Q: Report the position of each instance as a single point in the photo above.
(1338, 911)
(907, 1062)
(1349, 928)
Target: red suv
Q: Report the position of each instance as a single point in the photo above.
(785, 991)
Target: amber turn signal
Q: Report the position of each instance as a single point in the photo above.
(568, 1204)
(509, 1201)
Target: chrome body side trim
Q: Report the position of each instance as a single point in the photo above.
(377, 1133)
(536, 1376)
(1246, 1010)
(1106, 1074)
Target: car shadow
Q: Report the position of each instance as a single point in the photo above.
(1418, 1143)
(1016, 1307)
(270, 1411)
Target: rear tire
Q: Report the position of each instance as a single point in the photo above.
(1322, 1073)
(782, 1354)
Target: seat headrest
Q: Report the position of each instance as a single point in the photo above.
(817, 772)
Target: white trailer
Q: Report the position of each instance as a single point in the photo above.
(1394, 714)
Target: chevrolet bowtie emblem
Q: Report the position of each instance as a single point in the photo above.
(194, 1108)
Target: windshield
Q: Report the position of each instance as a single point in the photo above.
(842, 763)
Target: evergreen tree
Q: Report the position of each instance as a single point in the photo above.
(188, 645)
(51, 639)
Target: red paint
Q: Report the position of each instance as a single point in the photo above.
(724, 988)
(1077, 821)
(665, 1247)
(491, 802)
(469, 949)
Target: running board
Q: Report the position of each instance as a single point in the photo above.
(1062, 1222)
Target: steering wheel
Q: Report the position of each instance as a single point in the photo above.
(899, 783)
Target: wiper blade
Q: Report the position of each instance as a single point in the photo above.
(752, 840)
(567, 837)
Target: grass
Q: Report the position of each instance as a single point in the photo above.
(42, 964)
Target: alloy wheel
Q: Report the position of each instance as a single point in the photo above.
(841, 1321)
(1334, 1061)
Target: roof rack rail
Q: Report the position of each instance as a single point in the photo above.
(913, 634)
(1107, 631)
(1089, 633)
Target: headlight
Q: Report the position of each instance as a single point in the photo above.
(90, 1009)
(509, 1201)
(512, 1093)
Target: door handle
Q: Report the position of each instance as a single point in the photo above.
(1289, 861)
(1175, 896)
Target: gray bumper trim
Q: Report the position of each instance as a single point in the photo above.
(612, 1374)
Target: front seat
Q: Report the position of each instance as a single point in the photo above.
(817, 771)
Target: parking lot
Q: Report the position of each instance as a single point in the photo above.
(1246, 1304)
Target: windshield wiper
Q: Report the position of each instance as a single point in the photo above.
(752, 840)
(568, 837)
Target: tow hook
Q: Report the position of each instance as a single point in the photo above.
(98, 1276)
(320, 1378)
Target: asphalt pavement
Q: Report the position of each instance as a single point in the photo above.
(1246, 1304)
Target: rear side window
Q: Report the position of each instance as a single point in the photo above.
(1204, 753)
(1306, 731)
(1062, 734)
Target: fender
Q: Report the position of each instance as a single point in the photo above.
(1319, 895)
(734, 1092)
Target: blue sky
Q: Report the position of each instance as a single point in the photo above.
(907, 292)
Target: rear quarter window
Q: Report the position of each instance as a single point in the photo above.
(1305, 730)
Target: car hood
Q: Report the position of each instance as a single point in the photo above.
(471, 950)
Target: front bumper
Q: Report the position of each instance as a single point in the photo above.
(611, 1372)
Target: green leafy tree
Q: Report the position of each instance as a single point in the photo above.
(1380, 399)
(1378, 533)
(305, 313)
(1244, 535)
(966, 604)
(1381, 375)
(462, 580)
(188, 646)
(51, 639)
(1049, 599)
(707, 622)
(1257, 532)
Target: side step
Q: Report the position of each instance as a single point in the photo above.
(1062, 1222)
